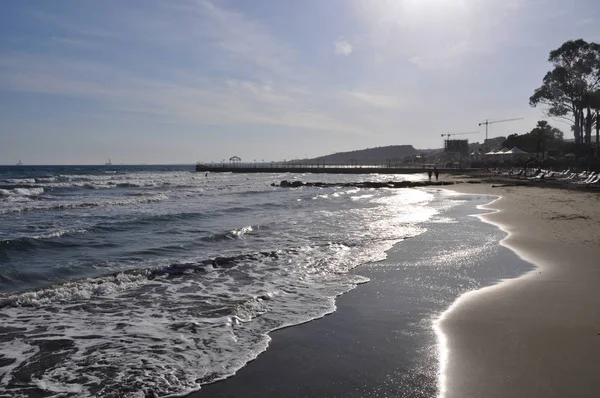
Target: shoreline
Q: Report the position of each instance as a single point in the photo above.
(337, 356)
(536, 335)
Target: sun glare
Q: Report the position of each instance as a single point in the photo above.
(407, 11)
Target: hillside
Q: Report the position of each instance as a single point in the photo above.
(380, 155)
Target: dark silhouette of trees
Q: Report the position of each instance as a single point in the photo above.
(594, 104)
(568, 89)
(538, 140)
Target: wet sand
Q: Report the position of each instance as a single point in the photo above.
(538, 335)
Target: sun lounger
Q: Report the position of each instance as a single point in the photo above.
(587, 180)
(594, 180)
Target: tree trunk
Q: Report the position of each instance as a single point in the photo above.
(581, 126)
(597, 132)
(588, 126)
(577, 127)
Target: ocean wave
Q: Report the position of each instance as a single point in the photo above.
(7, 243)
(148, 219)
(17, 181)
(130, 279)
(192, 311)
(241, 231)
(359, 197)
(132, 184)
(59, 233)
(37, 242)
(29, 191)
(75, 290)
(103, 181)
(83, 205)
(229, 235)
(21, 191)
(163, 331)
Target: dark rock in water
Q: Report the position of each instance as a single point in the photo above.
(367, 184)
(224, 262)
(290, 184)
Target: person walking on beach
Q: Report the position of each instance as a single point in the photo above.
(436, 172)
(429, 174)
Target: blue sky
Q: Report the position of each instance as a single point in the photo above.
(182, 81)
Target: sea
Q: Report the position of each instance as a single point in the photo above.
(151, 281)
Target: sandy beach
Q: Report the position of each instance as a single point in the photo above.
(538, 335)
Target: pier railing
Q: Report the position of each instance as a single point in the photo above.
(287, 167)
(263, 165)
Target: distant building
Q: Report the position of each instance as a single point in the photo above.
(459, 147)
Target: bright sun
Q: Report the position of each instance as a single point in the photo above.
(409, 10)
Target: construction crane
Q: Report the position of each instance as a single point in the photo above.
(447, 135)
(488, 122)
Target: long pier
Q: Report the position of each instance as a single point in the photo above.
(318, 169)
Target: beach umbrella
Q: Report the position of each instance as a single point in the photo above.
(517, 151)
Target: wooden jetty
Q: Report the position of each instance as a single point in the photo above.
(317, 169)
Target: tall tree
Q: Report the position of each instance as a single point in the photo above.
(537, 139)
(594, 103)
(544, 133)
(565, 89)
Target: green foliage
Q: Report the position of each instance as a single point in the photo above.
(573, 85)
(541, 137)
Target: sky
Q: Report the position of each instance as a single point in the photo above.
(202, 80)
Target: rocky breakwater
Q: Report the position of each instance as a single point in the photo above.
(366, 184)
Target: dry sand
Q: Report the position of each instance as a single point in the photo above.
(537, 335)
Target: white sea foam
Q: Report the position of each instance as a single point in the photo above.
(58, 205)
(59, 233)
(358, 197)
(241, 231)
(77, 290)
(22, 192)
(20, 352)
(107, 181)
(20, 180)
(169, 331)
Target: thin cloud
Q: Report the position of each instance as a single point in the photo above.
(237, 35)
(448, 58)
(587, 21)
(178, 99)
(198, 63)
(267, 84)
(342, 47)
(375, 100)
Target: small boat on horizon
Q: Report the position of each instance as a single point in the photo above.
(19, 163)
(109, 163)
